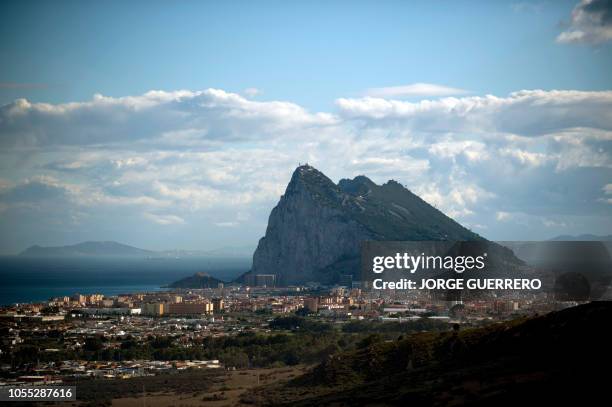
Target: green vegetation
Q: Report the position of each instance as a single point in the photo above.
(553, 359)
(293, 340)
(102, 392)
(418, 325)
(297, 323)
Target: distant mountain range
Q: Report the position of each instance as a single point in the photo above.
(107, 248)
(583, 238)
(315, 231)
(110, 249)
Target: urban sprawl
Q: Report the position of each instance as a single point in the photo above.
(88, 336)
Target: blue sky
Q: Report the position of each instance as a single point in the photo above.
(308, 52)
(178, 124)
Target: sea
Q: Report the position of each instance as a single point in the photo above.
(31, 279)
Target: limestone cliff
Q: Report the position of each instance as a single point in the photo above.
(315, 231)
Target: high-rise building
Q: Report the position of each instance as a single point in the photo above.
(81, 299)
(94, 298)
(107, 303)
(261, 280)
(311, 303)
(265, 280)
(218, 305)
(346, 280)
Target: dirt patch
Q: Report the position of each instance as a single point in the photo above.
(218, 393)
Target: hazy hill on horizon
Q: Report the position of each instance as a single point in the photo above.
(116, 249)
(89, 248)
(586, 237)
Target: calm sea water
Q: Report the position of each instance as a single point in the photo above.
(38, 279)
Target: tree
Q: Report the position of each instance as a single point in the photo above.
(93, 343)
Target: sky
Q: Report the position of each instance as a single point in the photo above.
(178, 124)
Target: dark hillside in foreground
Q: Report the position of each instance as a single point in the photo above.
(562, 358)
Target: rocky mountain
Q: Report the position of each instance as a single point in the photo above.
(107, 248)
(315, 231)
(198, 280)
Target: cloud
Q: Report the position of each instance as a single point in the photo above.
(503, 216)
(472, 150)
(192, 161)
(527, 112)
(414, 90)
(550, 223)
(164, 219)
(227, 224)
(251, 92)
(591, 23)
(607, 190)
(33, 191)
(154, 119)
(525, 158)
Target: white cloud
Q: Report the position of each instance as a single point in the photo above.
(472, 150)
(549, 223)
(389, 166)
(503, 216)
(251, 92)
(455, 198)
(526, 113)
(164, 219)
(607, 190)
(159, 118)
(527, 158)
(203, 159)
(419, 90)
(226, 224)
(591, 23)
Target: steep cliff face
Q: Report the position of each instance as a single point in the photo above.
(308, 230)
(318, 225)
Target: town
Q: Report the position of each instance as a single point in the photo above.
(90, 336)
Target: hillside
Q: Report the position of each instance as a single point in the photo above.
(198, 280)
(557, 359)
